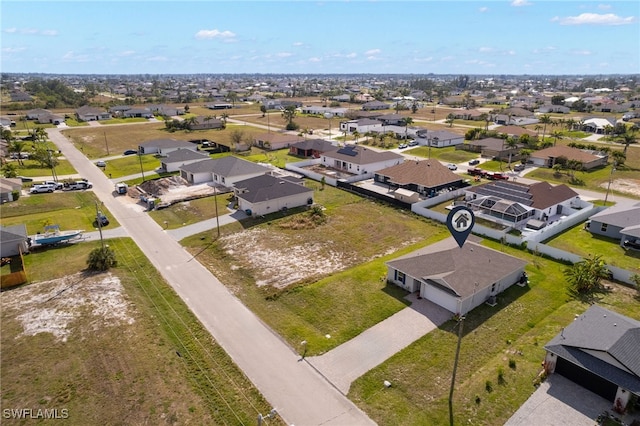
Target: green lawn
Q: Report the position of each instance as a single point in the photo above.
(449, 154)
(70, 210)
(124, 120)
(32, 168)
(130, 164)
(581, 242)
(517, 329)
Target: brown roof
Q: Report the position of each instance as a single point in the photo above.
(565, 151)
(545, 195)
(427, 173)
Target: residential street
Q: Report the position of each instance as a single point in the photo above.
(299, 394)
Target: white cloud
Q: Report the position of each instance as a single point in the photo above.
(595, 19)
(486, 49)
(372, 52)
(210, 34)
(604, 6)
(581, 52)
(127, 53)
(284, 54)
(483, 9)
(49, 33)
(315, 59)
(10, 30)
(30, 31)
(158, 59)
(71, 56)
(544, 50)
(13, 49)
(518, 3)
(298, 43)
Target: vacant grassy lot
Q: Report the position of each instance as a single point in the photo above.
(143, 360)
(449, 154)
(130, 164)
(70, 210)
(583, 243)
(340, 265)
(190, 212)
(31, 168)
(91, 140)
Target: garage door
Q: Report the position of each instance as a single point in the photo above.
(586, 379)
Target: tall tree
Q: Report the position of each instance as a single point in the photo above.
(545, 119)
(289, 114)
(556, 134)
(585, 277)
(407, 121)
(627, 139)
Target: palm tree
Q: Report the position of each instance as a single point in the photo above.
(191, 121)
(511, 143)
(450, 119)
(356, 135)
(556, 135)
(570, 123)
(233, 97)
(289, 114)
(545, 119)
(407, 121)
(627, 139)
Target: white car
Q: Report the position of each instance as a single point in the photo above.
(101, 163)
(38, 189)
(452, 166)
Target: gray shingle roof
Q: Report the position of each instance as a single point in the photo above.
(267, 187)
(619, 216)
(457, 270)
(234, 166)
(427, 173)
(358, 154)
(184, 155)
(604, 342)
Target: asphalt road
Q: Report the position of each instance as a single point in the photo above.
(299, 394)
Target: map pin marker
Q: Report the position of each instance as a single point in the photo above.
(460, 222)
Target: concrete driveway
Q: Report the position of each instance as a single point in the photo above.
(560, 402)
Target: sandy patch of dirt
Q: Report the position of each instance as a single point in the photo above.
(285, 265)
(173, 189)
(53, 306)
(628, 186)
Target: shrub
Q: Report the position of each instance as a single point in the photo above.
(488, 386)
(512, 363)
(478, 400)
(501, 380)
(101, 259)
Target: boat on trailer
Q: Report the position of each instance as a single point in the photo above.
(53, 235)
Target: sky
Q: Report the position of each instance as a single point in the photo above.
(321, 37)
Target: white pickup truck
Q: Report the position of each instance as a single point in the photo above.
(79, 184)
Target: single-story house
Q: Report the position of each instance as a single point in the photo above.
(492, 148)
(167, 110)
(174, 160)
(164, 146)
(618, 222)
(517, 203)
(219, 106)
(358, 159)
(558, 109)
(137, 113)
(504, 119)
(597, 125)
(311, 148)
(13, 240)
(7, 187)
(276, 140)
(391, 119)
(206, 123)
(548, 157)
(266, 194)
(34, 114)
(320, 110)
(438, 138)
(223, 171)
(469, 114)
(458, 279)
(118, 110)
(51, 119)
(515, 131)
(89, 113)
(425, 177)
(599, 350)
(375, 105)
(362, 125)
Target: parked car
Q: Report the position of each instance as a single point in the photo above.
(129, 152)
(474, 171)
(101, 219)
(474, 162)
(39, 189)
(452, 166)
(56, 185)
(402, 146)
(413, 143)
(497, 176)
(101, 163)
(79, 184)
(519, 167)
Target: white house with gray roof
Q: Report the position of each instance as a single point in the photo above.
(458, 279)
(618, 222)
(360, 160)
(180, 157)
(164, 146)
(223, 171)
(600, 351)
(266, 194)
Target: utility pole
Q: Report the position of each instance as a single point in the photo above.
(99, 222)
(215, 200)
(141, 169)
(455, 368)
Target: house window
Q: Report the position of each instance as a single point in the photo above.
(603, 228)
(223, 180)
(493, 288)
(400, 277)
